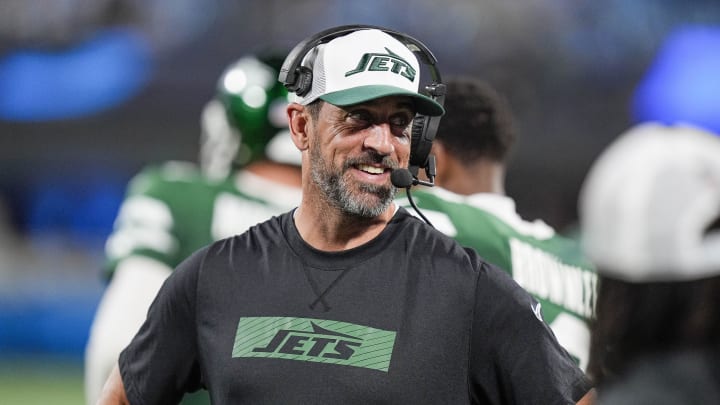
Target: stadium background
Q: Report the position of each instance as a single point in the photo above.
(92, 90)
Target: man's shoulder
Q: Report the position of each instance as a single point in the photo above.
(430, 238)
(457, 215)
(485, 220)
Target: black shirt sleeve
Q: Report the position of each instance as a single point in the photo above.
(161, 362)
(515, 358)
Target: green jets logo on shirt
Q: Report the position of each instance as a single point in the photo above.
(380, 62)
(314, 340)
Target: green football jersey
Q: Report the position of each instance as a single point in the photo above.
(171, 210)
(549, 266)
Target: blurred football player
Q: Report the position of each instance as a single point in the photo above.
(248, 171)
(473, 142)
(650, 221)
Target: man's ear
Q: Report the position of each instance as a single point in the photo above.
(299, 122)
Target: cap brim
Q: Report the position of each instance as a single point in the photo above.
(423, 104)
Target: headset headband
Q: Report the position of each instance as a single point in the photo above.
(289, 70)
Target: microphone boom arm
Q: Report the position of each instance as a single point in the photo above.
(406, 178)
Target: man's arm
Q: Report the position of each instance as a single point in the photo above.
(523, 348)
(113, 393)
(588, 399)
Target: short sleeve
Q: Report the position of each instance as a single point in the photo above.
(515, 357)
(161, 363)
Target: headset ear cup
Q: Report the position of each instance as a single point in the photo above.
(304, 81)
(419, 145)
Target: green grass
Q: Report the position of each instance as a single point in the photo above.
(38, 381)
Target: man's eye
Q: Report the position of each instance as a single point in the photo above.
(360, 116)
(400, 121)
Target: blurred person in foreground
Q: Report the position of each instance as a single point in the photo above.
(348, 298)
(472, 145)
(248, 171)
(650, 221)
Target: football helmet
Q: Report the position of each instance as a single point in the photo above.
(240, 124)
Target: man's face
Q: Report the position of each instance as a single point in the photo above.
(354, 150)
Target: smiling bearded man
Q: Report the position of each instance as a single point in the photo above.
(338, 189)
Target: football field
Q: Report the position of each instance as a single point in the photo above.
(44, 327)
(41, 382)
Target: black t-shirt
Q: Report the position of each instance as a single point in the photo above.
(410, 317)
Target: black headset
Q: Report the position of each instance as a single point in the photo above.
(298, 79)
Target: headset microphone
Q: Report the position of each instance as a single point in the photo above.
(403, 178)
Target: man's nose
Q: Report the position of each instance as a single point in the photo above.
(379, 138)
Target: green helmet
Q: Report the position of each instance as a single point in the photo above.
(247, 113)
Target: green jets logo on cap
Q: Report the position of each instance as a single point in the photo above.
(314, 340)
(380, 62)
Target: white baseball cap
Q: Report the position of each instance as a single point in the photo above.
(648, 201)
(365, 65)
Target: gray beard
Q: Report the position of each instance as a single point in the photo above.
(337, 192)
